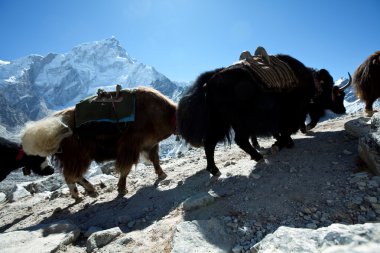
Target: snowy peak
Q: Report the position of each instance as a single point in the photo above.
(98, 50)
(57, 81)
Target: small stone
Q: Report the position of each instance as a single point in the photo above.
(255, 176)
(131, 224)
(307, 210)
(372, 184)
(102, 238)
(371, 199)
(311, 225)
(346, 152)
(237, 249)
(357, 200)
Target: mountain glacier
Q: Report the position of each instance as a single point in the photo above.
(33, 86)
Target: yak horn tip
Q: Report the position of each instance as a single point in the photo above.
(349, 82)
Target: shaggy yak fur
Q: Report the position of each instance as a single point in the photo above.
(235, 98)
(366, 81)
(14, 157)
(154, 121)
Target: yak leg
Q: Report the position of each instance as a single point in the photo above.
(254, 141)
(368, 108)
(242, 140)
(90, 189)
(126, 157)
(122, 184)
(210, 144)
(282, 140)
(155, 159)
(73, 188)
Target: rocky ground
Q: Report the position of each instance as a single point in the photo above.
(319, 182)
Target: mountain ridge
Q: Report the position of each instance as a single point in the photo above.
(33, 86)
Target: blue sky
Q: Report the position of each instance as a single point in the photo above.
(183, 38)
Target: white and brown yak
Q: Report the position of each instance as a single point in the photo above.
(58, 135)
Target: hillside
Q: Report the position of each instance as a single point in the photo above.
(317, 183)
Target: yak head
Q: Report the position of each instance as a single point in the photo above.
(330, 96)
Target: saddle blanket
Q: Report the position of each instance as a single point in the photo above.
(273, 72)
(115, 110)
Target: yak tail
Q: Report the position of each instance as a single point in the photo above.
(192, 112)
(43, 137)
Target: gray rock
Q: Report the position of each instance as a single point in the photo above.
(41, 239)
(50, 183)
(206, 236)
(18, 192)
(102, 238)
(358, 127)
(369, 145)
(335, 238)
(3, 197)
(199, 200)
(92, 230)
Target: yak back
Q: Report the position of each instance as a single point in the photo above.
(275, 74)
(94, 115)
(283, 74)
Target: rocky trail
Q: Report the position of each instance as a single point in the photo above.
(319, 182)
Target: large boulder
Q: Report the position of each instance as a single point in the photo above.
(369, 145)
(41, 238)
(201, 236)
(363, 238)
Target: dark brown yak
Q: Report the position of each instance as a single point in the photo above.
(366, 81)
(154, 121)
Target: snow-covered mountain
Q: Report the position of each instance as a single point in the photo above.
(32, 86)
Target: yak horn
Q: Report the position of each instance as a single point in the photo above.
(348, 84)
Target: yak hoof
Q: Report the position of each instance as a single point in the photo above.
(275, 149)
(290, 144)
(26, 171)
(93, 194)
(215, 177)
(258, 157)
(162, 176)
(122, 192)
(369, 113)
(76, 196)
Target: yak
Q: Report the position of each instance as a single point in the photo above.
(328, 97)
(154, 121)
(236, 98)
(366, 81)
(14, 157)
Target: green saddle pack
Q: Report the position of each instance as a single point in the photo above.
(105, 113)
